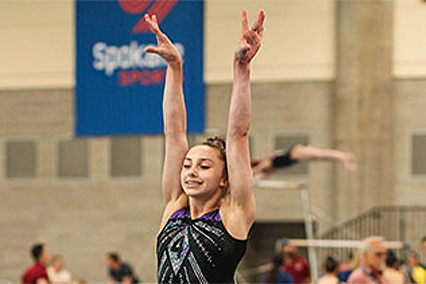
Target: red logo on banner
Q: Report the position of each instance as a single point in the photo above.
(160, 8)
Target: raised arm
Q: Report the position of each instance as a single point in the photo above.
(240, 173)
(174, 113)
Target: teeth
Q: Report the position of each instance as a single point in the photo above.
(193, 182)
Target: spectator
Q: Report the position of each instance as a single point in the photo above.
(296, 265)
(348, 266)
(276, 274)
(36, 273)
(417, 273)
(391, 273)
(57, 273)
(120, 272)
(331, 268)
(373, 255)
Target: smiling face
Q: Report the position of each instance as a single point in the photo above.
(203, 173)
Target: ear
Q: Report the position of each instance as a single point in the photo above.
(224, 182)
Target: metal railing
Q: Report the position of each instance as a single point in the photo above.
(406, 224)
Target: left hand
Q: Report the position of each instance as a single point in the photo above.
(251, 39)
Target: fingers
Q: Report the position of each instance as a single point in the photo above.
(251, 38)
(152, 49)
(258, 24)
(152, 24)
(245, 22)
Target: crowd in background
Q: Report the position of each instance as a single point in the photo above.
(52, 271)
(370, 263)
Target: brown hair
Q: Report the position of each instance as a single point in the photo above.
(218, 143)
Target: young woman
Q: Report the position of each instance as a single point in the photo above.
(210, 205)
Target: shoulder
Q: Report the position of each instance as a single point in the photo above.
(172, 208)
(125, 267)
(356, 275)
(303, 260)
(39, 270)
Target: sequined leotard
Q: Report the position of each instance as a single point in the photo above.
(197, 251)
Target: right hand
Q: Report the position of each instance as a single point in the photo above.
(165, 47)
(251, 39)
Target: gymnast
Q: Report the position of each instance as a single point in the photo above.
(208, 189)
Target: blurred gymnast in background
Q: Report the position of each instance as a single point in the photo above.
(300, 153)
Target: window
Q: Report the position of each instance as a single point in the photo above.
(21, 159)
(418, 154)
(126, 157)
(73, 159)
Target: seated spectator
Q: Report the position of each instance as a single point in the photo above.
(57, 273)
(295, 264)
(36, 273)
(120, 272)
(417, 273)
(276, 274)
(348, 266)
(331, 268)
(391, 273)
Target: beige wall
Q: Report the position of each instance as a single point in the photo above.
(37, 44)
(410, 120)
(298, 43)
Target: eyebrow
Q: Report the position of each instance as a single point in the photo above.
(202, 159)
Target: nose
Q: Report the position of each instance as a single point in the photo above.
(192, 172)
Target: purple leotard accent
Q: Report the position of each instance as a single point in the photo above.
(184, 213)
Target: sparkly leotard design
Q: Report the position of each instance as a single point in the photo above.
(197, 251)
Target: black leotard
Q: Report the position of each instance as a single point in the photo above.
(197, 251)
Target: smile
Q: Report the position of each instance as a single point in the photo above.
(193, 182)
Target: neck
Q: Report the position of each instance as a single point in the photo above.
(198, 207)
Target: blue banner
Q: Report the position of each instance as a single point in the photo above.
(119, 87)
